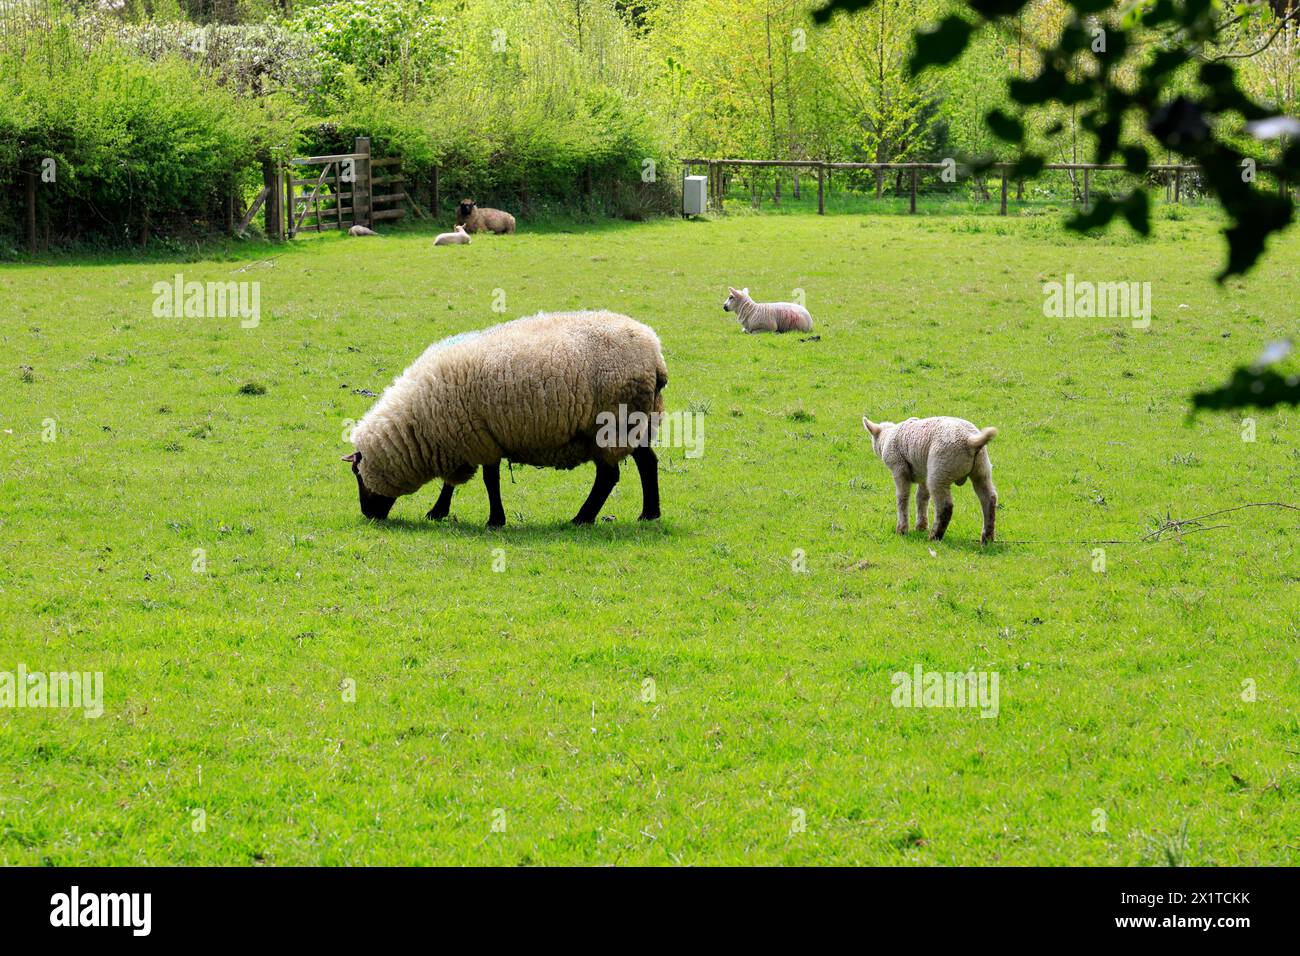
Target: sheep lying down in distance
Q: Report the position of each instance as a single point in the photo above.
(936, 453)
(533, 391)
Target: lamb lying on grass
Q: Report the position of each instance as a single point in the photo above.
(532, 391)
(936, 453)
(457, 237)
(361, 231)
(767, 316)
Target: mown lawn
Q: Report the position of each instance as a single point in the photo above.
(518, 698)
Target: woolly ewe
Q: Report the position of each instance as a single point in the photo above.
(457, 237)
(767, 316)
(936, 453)
(476, 219)
(532, 391)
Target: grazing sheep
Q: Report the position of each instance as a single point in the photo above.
(537, 391)
(475, 219)
(767, 316)
(937, 453)
(361, 231)
(457, 237)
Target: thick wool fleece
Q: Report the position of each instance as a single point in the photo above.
(486, 220)
(528, 391)
(771, 316)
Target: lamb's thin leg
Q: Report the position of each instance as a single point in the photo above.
(492, 482)
(647, 466)
(442, 507)
(942, 495)
(606, 479)
(988, 496)
(922, 506)
(904, 486)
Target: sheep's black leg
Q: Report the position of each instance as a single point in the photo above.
(442, 507)
(647, 465)
(492, 482)
(606, 479)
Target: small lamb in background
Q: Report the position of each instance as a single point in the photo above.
(936, 453)
(361, 231)
(457, 237)
(767, 316)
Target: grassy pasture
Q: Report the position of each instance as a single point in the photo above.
(515, 697)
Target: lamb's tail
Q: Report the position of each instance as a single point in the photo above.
(976, 442)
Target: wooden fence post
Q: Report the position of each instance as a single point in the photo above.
(362, 191)
(913, 189)
(31, 212)
(821, 189)
(286, 177)
(1003, 211)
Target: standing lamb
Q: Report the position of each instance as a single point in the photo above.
(767, 316)
(476, 219)
(937, 453)
(457, 237)
(538, 391)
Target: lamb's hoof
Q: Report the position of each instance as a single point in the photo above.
(985, 541)
(901, 529)
(936, 537)
(645, 516)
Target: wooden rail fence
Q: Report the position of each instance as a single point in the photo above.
(715, 171)
(315, 193)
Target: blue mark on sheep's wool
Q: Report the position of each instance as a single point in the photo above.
(460, 337)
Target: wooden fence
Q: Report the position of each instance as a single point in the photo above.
(715, 171)
(316, 193)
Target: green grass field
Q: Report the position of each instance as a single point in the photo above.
(500, 717)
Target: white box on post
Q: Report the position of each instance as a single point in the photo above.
(694, 191)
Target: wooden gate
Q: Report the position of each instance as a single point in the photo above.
(332, 192)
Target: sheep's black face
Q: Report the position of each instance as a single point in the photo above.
(372, 505)
(466, 208)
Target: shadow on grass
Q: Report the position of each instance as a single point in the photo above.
(257, 249)
(518, 531)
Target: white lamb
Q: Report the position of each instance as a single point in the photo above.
(457, 237)
(767, 316)
(936, 453)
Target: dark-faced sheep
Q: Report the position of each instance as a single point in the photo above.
(480, 219)
(536, 391)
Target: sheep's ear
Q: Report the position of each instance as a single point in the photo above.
(732, 291)
(870, 426)
(354, 457)
(744, 291)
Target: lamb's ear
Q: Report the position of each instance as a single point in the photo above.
(732, 291)
(744, 292)
(870, 426)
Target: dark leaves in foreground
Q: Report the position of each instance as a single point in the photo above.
(1198, 127)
